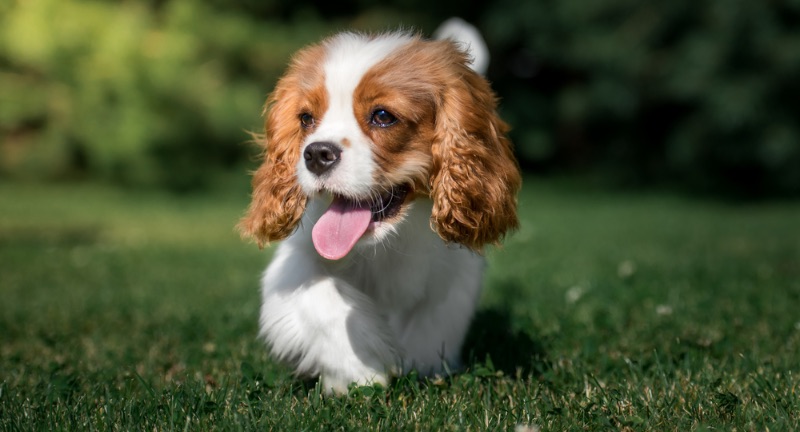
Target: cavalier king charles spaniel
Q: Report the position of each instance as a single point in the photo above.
(386, 170)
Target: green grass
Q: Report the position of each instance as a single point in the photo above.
(128, 310)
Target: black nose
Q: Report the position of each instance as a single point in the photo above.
(321, 156)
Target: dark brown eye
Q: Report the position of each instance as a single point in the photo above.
(383, 118)
(307, 120)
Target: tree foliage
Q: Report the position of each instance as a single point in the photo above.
(700, 93)
(139, 94)
(705, 93)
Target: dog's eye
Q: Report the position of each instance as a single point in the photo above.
(307, 120)
(383, 118)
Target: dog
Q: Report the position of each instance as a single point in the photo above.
(386, 172)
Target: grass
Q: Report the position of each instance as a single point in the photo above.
(129, 310)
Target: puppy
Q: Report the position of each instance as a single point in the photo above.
(386, 171)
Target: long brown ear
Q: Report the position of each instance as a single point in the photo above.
(278, 201)
(475, 177)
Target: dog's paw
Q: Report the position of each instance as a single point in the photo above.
(339, 384)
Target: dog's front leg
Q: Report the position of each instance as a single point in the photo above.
(324, 326)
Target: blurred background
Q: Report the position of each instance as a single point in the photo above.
(697, 95)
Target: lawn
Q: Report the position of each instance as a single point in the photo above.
(130, 310)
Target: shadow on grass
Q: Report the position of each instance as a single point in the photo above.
(493, 341)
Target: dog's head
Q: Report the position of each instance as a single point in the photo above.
(374, 122)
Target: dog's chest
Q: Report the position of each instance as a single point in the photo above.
(394, 284)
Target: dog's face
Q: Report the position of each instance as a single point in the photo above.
(373, 123)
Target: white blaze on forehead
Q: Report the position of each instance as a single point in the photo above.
(348, 57)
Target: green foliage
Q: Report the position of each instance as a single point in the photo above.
(138, 310)
(702, 94)
(705, 92)
(132, 93)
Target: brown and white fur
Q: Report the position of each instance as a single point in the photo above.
(386, 172)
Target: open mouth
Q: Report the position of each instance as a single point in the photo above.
(388, 204)
(347, 219)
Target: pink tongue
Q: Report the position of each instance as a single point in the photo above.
(339, 228)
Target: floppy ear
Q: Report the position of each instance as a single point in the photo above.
(278, 201)
(475, 177)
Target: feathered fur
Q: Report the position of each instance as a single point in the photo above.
(417, 140)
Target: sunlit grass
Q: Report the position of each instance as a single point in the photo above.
(138, 311)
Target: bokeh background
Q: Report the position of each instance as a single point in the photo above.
(653, 284)
(702, 96)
